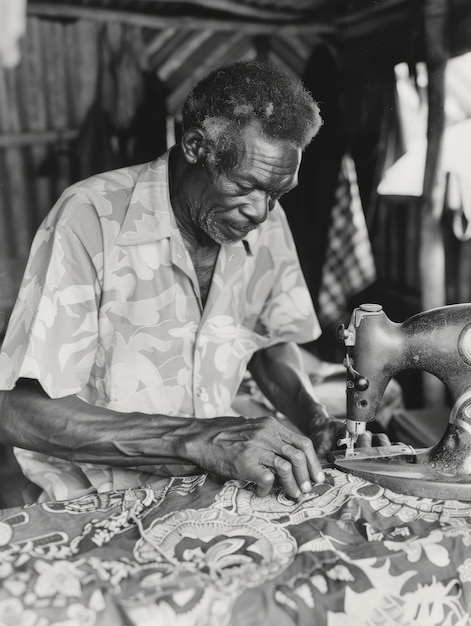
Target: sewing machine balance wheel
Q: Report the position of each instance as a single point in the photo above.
(437, 341)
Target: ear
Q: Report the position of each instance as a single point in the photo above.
(192, 144)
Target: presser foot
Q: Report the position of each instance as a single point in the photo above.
(440, 472)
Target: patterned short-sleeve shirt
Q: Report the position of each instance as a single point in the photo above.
(109, 310)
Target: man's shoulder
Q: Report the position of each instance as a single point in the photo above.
(119, 181)
(103, 196)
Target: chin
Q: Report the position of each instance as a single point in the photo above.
(223, 238)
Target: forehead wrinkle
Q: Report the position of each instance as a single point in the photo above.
(264, 175)
(287, 180)
(267, 157)
(262, 163)
(273, 165)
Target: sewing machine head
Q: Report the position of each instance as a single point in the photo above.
(437, 341)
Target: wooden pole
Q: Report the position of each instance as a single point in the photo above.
(181, 22)
(432, 252)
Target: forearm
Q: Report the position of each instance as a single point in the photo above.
(231, 447)
(279, 372)
(72, 429)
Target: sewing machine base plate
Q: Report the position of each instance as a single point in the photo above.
(411, 473)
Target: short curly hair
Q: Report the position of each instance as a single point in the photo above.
(234, 96)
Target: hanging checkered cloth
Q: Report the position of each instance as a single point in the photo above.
(349, 264)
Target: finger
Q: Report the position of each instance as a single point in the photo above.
(299, 466)
(263, 479)
(365, 439)
(284, 473)
(306, 446)
(381, 439)
(259, 473)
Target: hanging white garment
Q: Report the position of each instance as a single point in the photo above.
(12, 28)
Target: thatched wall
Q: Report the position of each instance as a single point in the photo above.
(42, 104)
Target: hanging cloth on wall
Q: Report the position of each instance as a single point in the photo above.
(126, 123)
(12, 29)
(349, 265)
(308, 207)
(97, 148)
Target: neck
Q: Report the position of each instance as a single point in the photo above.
(179, 172)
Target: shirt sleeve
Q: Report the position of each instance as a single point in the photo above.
(288, 313)
(52, 332)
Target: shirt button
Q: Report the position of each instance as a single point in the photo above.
(202, 394)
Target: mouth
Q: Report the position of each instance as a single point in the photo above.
(240, 231)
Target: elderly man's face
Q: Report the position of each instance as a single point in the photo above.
(228, 205)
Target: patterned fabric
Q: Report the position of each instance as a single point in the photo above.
(349, 266)
(109, 309)
(188, 551)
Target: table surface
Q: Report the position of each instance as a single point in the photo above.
(191, 551)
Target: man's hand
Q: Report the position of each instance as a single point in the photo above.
(260, 450)
(325, 431)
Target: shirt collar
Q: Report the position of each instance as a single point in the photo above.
(150, 215)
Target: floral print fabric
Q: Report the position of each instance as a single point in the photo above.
(109, 309)
(189, 551)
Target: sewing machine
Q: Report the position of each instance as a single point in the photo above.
(437, 341)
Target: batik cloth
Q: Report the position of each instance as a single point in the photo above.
(186, 551)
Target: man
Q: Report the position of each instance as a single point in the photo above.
(149, 291)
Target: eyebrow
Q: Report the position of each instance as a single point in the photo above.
(256, 183)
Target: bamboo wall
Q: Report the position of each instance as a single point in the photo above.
(42, 103)
(396, 241)
(395, 235)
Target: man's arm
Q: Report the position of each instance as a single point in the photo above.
(72, 429)
(258, 450)
(280, 374)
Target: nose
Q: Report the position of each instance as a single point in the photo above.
(256, 206)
